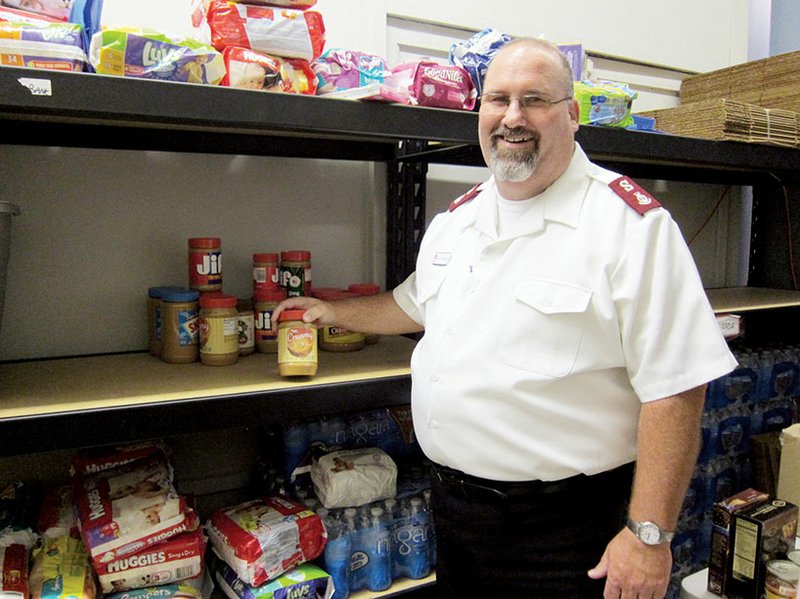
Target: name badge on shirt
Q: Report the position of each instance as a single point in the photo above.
(442, 258)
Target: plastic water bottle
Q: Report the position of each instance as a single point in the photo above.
(426, 500)
(379, 577)
(337, 557)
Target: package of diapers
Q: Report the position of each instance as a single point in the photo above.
(475, 54)
(61, 570)
(428, 83)
(354, 477)
(55, 9)
(263, 538)
(279, 32)
(306, 580)
(128, 509)
(151, 54)
(604, 103)
(248, 69)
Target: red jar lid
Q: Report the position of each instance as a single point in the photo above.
(296, 255)
(364, 288)
(217, 300)
(291, 315)
(206, 243)
(265, 257)
(270, 295)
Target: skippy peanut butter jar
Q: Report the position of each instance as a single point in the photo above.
(297, 345)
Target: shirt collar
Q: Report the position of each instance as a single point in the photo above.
(561, 202)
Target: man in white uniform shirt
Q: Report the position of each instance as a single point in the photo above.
(567, 338)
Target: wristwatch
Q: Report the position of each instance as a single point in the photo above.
(649, 533)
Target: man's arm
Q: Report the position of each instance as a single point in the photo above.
(668, 444)
(367, 314)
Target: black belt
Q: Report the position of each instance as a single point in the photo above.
(468, 486)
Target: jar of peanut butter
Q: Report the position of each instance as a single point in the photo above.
(266, 272)
(154, 319)
(180, 326)
(219, 330)
(296, 272)
(297, 345)
(246, 327)
(265, 302)
(205, 264)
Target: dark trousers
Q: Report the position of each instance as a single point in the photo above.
(527, 540)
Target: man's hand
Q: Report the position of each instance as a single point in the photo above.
(634, 570)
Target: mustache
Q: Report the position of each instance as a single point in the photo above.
(503, 131)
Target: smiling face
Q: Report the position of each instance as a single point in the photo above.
(527, 148)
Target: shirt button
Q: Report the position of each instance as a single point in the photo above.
(433, 425)
(435, 378)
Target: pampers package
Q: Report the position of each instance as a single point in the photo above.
(61, 570)
(151, 54)
(126, 510)
(279, 32)
(475, 54)
(604, 103)
(264, 538)
(338, 69)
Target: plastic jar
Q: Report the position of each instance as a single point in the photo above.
(266, 336)
(338, 339)
(181, 323)
(245, 327)
(297, 345)
(205, 263)
(296, 272)
(219, 334)
(266, 272)
(780, 581)
(366, 289)
(154, 320)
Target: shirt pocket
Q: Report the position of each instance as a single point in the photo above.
(544, 326)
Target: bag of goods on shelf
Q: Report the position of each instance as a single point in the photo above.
(428, 83)
(339, 69)
(604, 103)
(248, 69)
(263, 538)
(52, 46)
(176, 559)
(94, 460)
(353, 477)
(474, 54)
(128, 509)
(14, 571)
(56, 9)
(56, 516)
(61, 569)
(151, 54)
(19, 504)
(281, 32)
(199, 587)
(306, 580)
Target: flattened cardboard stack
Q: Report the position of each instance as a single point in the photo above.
(755, 102)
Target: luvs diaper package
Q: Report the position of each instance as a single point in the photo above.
(604, 103)
(150, 54)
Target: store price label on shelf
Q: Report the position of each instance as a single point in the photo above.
(37, 87)
(731, 325)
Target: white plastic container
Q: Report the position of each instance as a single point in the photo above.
(7, 211)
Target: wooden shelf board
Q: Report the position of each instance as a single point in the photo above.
(742, 299)
(399, 587)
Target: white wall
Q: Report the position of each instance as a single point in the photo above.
(98, 227)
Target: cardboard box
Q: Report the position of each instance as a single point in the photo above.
(759, 534)
(789, 470)
(719, 561)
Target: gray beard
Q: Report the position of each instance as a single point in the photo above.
(513, 168)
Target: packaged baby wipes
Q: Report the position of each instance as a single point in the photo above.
(151, 54)
(248, 69)
(475, 54)
(264, 538)
(280, 32)
(354, 477)
(128, 509)
(604, 103)
(61, 570)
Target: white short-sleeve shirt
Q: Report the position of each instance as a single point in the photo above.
(540, 347)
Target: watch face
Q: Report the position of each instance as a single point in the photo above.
(649, 533)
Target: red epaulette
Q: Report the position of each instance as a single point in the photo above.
(636, 197)
(465, 198)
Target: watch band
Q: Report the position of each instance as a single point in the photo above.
(649, 533)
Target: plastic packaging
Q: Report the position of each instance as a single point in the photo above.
(180, 324)
(427, 83)
(339, 69)
(219, 331)
(604, 103)
(250, 69)
(475, 54)
(297, 345)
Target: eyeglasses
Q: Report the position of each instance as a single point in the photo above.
(500, 102)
